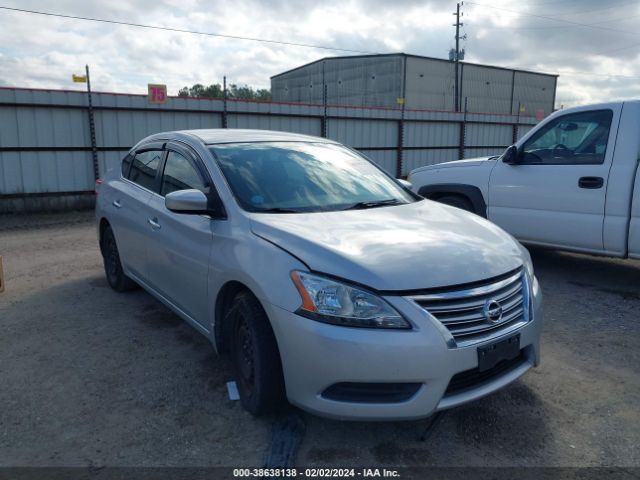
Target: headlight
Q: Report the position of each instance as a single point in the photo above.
(528, 264)
(329, 301)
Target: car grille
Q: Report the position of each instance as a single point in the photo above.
(482, 310)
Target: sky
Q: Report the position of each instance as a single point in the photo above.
(593, 45)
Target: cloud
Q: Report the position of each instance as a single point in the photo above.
(595, 63)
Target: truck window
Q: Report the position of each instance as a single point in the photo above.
(578, 138)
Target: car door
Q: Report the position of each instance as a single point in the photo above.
(129, 206)
(179, 244)
(555, 192)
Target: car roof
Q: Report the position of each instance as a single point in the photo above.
(232, 135)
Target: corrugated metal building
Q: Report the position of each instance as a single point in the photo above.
(424, 83)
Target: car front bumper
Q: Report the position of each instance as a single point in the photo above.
(317, 355)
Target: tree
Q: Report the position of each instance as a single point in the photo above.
(234, 91)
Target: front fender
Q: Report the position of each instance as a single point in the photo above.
(473, 193)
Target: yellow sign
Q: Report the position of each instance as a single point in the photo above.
(157, 93)
(79, 78)
(400, 101)
(522, 109)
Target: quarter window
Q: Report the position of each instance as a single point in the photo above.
(180, 174)
(126, 163)
(577, 138)
(145, 167)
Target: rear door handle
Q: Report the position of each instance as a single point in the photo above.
(154, 223)
(116, 203)
(591, 182)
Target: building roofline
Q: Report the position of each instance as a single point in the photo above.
(407, 55)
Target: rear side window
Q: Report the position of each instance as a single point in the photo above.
(145, 167)
(180, 174)
(126, 163)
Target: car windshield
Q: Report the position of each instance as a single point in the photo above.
(291, 177)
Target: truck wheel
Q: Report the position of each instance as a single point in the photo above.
(457, 201)
(255, 357)
(112, 266)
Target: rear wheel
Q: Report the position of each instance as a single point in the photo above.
(112, 266)
(457, 201)
(255, 357)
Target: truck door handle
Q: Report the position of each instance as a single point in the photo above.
(154, 223)
(116, 203)
(591, 182)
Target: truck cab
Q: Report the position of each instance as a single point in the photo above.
(569, 183)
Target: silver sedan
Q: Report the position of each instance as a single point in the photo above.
(329, 283)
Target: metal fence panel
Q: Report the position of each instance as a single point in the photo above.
(110, 159)
(363, 133)
(43, 127)
(480, 135)
(418, 158)
(523, 129)
(384, 158)
(45, 146)
(307, 126)
(42, 172)
(424, 134)
(483, 152)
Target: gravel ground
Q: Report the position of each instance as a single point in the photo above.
(89, 377)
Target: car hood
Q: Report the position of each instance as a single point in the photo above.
(469, 162)
(415, 246)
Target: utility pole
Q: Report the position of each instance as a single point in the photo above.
(92, 127)
(458, 54)
(224, 102)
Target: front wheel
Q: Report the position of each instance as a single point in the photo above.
(255, 357)
(112, 266)
(457, 201)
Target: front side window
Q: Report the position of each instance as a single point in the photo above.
(577, 138)
(304, 177)
(180, 174)
(145, 167)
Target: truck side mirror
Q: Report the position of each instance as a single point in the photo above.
(511, 155)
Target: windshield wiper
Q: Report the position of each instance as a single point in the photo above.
(378, 203)
(277, 210)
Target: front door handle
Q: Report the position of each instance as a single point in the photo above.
(154, 223)
(116, 203)
(591, 182)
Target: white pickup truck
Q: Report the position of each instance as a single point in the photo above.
(569, 183)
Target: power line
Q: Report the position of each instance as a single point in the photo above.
(179, 30)
(576, 72)
(570, 22)
(547, 27)
(563, 14)
(605, 52)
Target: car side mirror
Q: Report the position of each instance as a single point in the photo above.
(405, 183)
(191, 201)
(511, 155)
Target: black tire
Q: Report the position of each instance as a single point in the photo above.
(112, 266)
(255, 357)
(457, 201)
